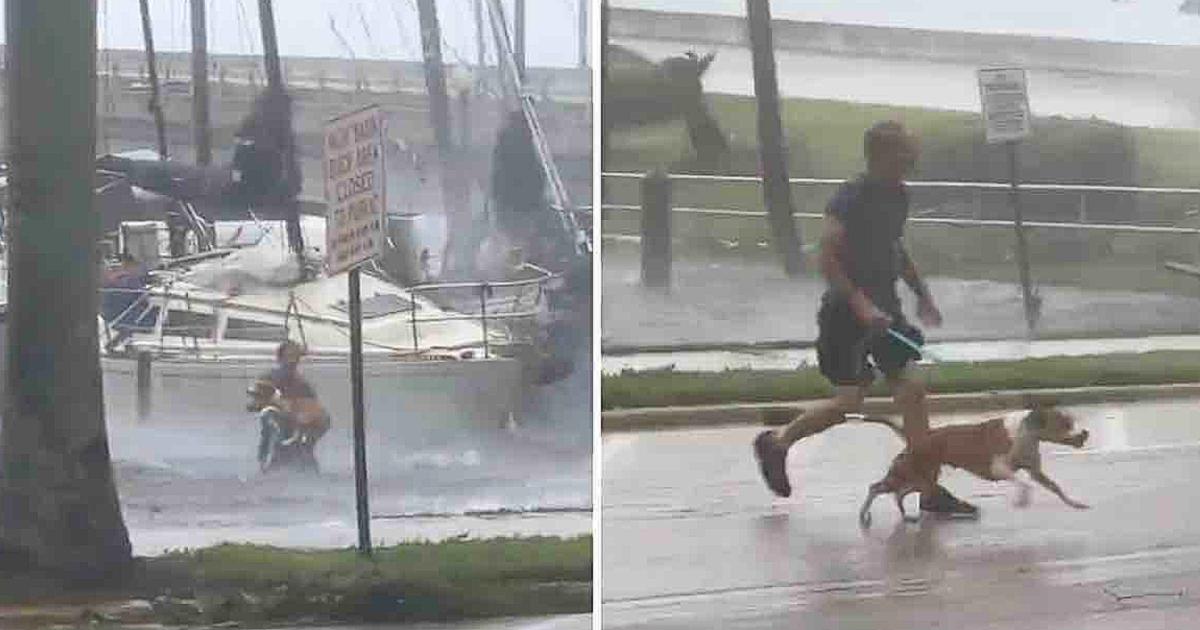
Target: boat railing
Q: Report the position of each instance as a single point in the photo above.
(489, 313)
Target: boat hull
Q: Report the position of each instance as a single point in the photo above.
(419, 401)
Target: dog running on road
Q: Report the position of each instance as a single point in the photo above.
(994, 449)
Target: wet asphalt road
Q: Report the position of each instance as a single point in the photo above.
(692, 539)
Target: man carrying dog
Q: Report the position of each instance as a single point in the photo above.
(862, 256)
(299, 397)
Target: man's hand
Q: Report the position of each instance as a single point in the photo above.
(928, 312)
(868, 314)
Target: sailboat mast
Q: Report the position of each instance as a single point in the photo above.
(160, 125)
(201, 124)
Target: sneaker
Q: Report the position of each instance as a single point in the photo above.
(945, 504)
(772, 463)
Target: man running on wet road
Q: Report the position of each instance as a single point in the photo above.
(862, 256)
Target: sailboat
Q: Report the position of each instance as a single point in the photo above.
(217, 302)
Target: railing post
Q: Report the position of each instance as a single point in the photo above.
(656, 230)
(144, 361)
(483, 290)
(413, 313)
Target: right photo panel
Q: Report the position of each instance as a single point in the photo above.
(900, 314)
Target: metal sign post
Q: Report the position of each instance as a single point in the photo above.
(1004, 95)
(355, 192)
(1014, 200)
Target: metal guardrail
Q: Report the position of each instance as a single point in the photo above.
(1044, 187)
(1074, 225)
(754, 179)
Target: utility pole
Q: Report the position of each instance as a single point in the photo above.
(458, 218)
(281, 109)
(160, 126)
(480, 50)
(519, 35)
(201, 123)
(266, 21)
(604, 113)
(583, 33)
(61, 512)
(777, 192)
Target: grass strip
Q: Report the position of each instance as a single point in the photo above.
(253, 584)
(665, 388)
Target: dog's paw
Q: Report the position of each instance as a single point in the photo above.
(864, 519)
(912, 518)
(1024, 497)
(1079, 506)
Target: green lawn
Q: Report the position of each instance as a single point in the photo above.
(410, 582)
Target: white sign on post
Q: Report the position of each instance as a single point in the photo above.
(354, 189)
(1005, 99)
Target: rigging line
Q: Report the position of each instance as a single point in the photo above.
(362, 19)
(405, 43)
(244, 29)
(342, 40)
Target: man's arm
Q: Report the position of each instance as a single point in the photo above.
(926, 310)
(912, 277)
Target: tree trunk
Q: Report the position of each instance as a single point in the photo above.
(58, 502)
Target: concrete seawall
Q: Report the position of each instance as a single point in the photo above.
(943, 46)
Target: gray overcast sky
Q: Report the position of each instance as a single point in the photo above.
(1147, 21)
(303, 25)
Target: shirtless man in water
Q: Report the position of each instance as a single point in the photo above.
(299, 397)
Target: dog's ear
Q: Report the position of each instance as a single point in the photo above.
(1037, 418)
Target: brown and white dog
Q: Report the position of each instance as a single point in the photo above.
(995, 450)
(306, 414)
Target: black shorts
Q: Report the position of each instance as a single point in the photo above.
(848, 355)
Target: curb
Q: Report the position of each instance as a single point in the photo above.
(775, 413)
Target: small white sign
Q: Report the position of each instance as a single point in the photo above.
(1005, 98)
(354, 189)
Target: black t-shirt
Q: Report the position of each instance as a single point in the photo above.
(873, 215)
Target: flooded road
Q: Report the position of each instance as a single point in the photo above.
(180, 487)
(197, 484)
(692, 538)
(751, 301)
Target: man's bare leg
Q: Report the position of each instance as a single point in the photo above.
(908, 390)
(771, 447)
(828, 413)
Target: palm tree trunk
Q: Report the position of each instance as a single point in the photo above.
(58, 502)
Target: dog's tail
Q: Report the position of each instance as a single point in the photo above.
(859, 417)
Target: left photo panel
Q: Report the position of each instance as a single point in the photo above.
(296, 313)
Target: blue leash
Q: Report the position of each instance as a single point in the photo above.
(919, 349)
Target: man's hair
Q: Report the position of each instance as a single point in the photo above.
(883, 136)
(285, 346)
